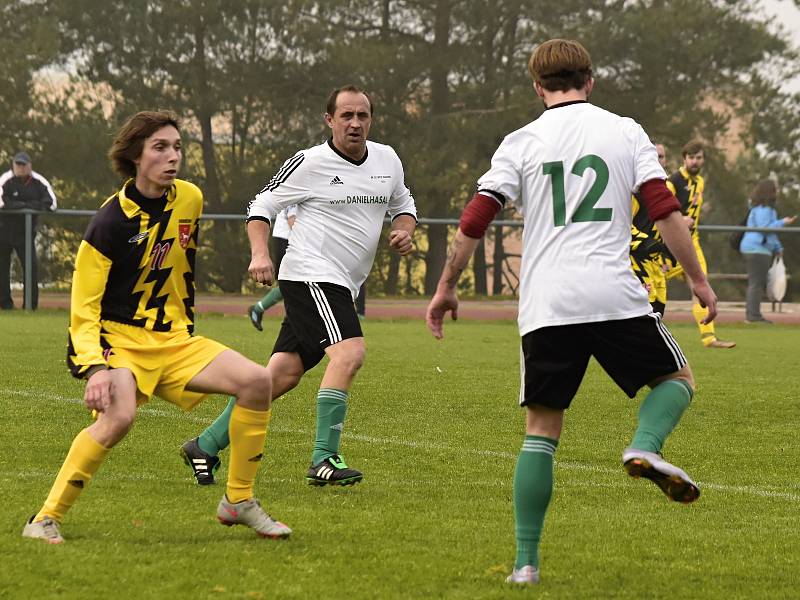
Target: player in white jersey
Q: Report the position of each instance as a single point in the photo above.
(342, 190)
(571, 173)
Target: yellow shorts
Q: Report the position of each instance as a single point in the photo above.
(652, 277)
(163, 363)
(676, 270)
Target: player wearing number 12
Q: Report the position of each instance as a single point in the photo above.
(571, 173)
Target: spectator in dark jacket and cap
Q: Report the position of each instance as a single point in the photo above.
(20, 187)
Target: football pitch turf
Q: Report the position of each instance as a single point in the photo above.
(436, 429)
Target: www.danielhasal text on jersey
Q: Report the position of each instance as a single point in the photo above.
(361, 200)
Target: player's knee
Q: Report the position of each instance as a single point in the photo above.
(351, 361)
(544, 421)
(285, 382)
(685, 375)
(688, 380)
(117, 424)
(257, 387)
(125, 424)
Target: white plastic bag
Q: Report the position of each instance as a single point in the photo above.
(776, 280)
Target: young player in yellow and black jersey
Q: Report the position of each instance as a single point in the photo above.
(688, 185)
(143, 250)
(646, 249)
(131, 323)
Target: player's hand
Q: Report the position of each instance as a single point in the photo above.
(400, 241)
(98, 391)
(261, 270)
(707, 298)
(442, 302)
(789, 220)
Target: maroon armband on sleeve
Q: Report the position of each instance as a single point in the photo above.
(479, 212)
(657, 199)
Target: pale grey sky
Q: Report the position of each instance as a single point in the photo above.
(788, 15)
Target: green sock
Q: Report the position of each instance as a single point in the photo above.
(660, 412)
(215, 437)
(331, 409)
(271, 298)
(533, 487)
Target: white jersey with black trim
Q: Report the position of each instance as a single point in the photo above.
(340, 207)
(571, 173)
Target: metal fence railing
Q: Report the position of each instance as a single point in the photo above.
(67, 213)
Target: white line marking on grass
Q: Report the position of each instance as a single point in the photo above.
(566, 465)
(142, 409)
(111, 476)
(749, 489)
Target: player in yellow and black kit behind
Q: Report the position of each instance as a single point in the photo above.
(687, 184)
(131, 324)
(646, 249)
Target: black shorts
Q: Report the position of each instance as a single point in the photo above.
(318, 315)
(633, 352)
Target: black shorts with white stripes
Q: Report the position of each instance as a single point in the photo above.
(633, 352)
(317, 316)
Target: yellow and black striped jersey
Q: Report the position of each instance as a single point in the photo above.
(135, 265)
(645, 239)
(689, 192)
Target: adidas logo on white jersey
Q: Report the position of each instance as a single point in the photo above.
(336, 181)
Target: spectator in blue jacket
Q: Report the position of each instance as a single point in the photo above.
(759, 248)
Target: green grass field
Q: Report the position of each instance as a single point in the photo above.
(433, 517)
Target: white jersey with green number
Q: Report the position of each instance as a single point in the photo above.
(571, 173)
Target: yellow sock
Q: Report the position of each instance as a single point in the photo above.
(707, 332)
(247, 431)
(83, 459)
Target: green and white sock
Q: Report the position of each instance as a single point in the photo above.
(215, 437)
(659, 414)
(270, 299)
(331, 410)
(533, 488)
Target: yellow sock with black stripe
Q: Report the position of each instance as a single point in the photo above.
(707, 332)
(247, 432)
(83, 459)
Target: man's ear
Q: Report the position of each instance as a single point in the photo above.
(589, 87)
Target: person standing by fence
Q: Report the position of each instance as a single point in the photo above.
(759, 248)
(21, 187)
